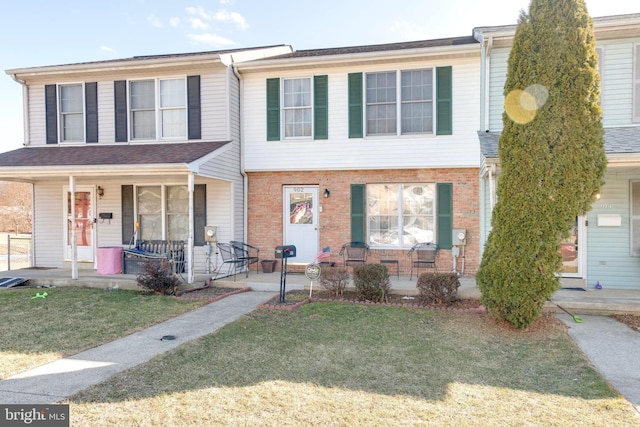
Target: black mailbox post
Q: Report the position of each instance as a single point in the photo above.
(284, 253)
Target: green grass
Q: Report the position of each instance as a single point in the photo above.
(72, 319)
(344, 365)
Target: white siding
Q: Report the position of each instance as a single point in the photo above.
(213, 95)
(48, 225)
(339, 152)
(106, 112)
(37, 116)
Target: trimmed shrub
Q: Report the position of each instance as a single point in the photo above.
(158, 277)
(438, 288)
(334, 280)
(372, 282)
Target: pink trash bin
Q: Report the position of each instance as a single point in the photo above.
(110, 260)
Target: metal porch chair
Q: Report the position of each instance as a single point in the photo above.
(250, 254)
(425, 257)
(228, 254)
(354, 253)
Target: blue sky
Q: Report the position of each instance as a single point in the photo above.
(48, 32)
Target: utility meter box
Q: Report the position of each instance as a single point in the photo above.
(459, 237)
(211, 233)
(287, 251)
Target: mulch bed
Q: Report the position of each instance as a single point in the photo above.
(631, 320)
(294, 299)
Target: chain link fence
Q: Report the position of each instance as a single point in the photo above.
(15, 251)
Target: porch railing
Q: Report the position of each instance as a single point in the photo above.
(15, 252)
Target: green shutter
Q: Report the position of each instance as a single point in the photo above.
(273, 109)
(355, 105)
(320, 107)
(128, 221)
(199, 213)
(445, 215)
(357, 213)
(444, 101)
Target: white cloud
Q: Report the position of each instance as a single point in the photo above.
(174, 22)
(198, 24)
(154, 21)
(227, 2)
(221, 16)
(235, 17)
(408, 30)
(108, 49)
(211, 39)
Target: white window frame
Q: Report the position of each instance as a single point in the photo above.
(294, 108)
(158, 110)
(400, 214)
(62, 114)
(398, 102)
(164, 210)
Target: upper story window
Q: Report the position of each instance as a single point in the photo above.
(401, 102)
(71, 113)
(297, 108)
(414, 112)
(158, 107)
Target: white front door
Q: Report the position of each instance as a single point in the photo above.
(300, 212)
(84, 213)
(572, 249)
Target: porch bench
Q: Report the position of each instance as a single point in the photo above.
(134, 259)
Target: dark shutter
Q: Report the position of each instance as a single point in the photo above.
(193, 103)
(444, 101)
(273, 109)
(120, 97)
(320, 107)
(128, 220)
(91, 107)
(51, 113)
(199, 213)
(357, 213)
(355, 105)
(445, 215)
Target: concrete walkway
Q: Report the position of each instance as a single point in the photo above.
(61, 379)
(613, 348)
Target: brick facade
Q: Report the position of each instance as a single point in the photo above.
(265, 224)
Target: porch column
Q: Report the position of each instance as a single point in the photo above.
(74, 237)
(190, 186)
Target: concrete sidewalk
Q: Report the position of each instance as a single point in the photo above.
(61, 379)
(613, 348)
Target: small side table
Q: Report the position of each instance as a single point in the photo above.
(392, 262)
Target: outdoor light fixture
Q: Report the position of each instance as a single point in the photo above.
(327, 193)
(100, 192)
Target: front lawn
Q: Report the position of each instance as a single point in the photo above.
(72, 319)
(334, 364)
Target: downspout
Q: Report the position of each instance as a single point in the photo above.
(492, 188)
(25, 109)
(245, 179)
(486, 74)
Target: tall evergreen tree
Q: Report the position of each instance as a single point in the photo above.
(551, 153)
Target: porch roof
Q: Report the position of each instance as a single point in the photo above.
(46, 160)
(618, 141)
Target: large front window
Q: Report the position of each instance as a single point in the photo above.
(163, 212)
(414, 111)
(297, 108)
(158, 108)
(71, 113)
(400, 215)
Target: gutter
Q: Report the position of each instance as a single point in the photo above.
(245, 178)
(25, 109)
